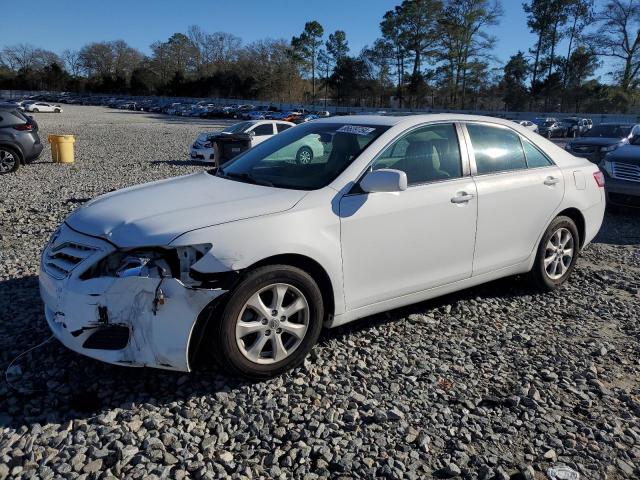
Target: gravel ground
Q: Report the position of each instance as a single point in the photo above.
(493, 382)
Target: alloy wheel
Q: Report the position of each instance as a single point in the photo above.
(272, 323)
(559, 253)
(305, 156)
(7, 161)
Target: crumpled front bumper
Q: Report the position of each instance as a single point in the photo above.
(119, 320)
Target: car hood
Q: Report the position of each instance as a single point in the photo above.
(156, 213)
(626, 154)
(595, 141)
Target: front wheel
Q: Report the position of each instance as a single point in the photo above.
(271, 322)
(304, 156)
(35, 110)
(57, 110)
(557, 254)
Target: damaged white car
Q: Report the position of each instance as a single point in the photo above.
(251, 260)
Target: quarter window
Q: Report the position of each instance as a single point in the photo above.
(535, 158)
(496, 149)
(427, 154)
(282, 127)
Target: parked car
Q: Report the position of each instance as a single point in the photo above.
(252, 260)
(589, 123)
(575, 126)
(261, 130)
(602, 139)
(528, 124)
(552, 128)
(19, 139)
(621, 169)
(43, 107)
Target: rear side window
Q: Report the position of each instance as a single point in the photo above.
(264, 129)
(282, 127)
(496, 149)
(535, 158)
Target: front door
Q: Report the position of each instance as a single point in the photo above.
(394, 244)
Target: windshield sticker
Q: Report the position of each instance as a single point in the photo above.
(355, 130)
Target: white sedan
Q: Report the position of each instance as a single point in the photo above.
(262, 130)
(252, 260)
(43, 107)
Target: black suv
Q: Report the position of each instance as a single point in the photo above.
(19, 140)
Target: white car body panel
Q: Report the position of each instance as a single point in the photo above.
(378, 250)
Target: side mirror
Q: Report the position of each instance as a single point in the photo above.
(384, 180)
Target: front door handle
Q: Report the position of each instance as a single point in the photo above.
(549, 181)
(462, 197)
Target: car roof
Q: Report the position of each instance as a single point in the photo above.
(413, 119)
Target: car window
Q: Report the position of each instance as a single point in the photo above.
(264, 129)
(282, 127)
(496, 149)
(427, 154)
(535, 158)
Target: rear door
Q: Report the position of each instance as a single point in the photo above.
(518, 188)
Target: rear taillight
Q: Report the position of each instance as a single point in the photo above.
(599, 178)
(25, 127)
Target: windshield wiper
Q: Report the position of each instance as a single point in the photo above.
(245, 177)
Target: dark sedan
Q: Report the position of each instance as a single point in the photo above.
(602, 139)
(622, 175)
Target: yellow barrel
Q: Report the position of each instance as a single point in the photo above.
(62, 148)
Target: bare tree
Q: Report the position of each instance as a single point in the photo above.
(618, 37)
(72, 62)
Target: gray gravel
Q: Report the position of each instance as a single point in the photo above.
(494, 382)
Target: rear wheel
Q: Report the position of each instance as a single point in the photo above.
(557, 254)
(9, 160)
(270, 323)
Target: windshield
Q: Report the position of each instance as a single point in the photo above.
(609, 131)
(307, 157)
(549, 124)
(238, 127)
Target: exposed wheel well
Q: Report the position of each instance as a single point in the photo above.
(310, 266)
(577, 217)
(202, 327)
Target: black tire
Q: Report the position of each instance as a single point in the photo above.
(35, 110)
(549, 134)
(226, 348)
(57, 110)
(8, 166)
(304, 156)
(538, 273)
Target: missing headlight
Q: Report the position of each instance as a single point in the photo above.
(149, 263)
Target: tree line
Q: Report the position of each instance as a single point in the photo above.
(429, 54)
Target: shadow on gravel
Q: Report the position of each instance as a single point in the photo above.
(52, 384)
(620, 227)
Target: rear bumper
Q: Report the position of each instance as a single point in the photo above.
(34, 153)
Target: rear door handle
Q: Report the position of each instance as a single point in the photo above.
(462, 197)
(549, 181)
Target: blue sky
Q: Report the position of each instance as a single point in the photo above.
(141, 22)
